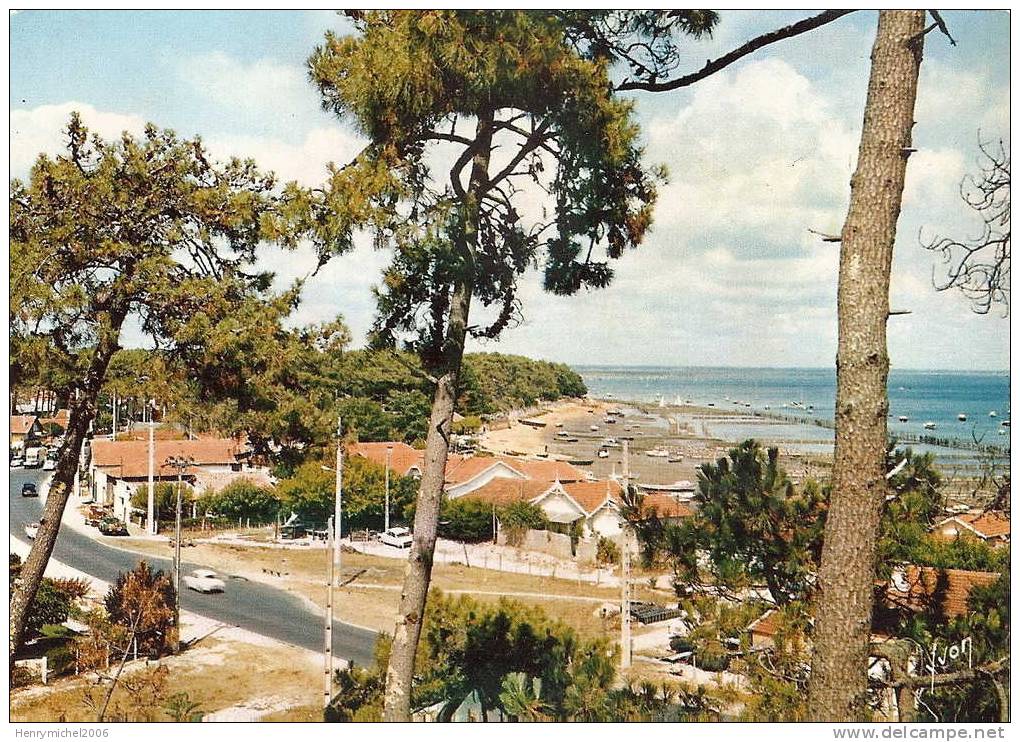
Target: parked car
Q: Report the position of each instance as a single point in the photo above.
(17, 462)
(49, 465)
(32, 530)
(28, 489)
(94, 515)
(399, 537)
(204, 581)
(112, 527)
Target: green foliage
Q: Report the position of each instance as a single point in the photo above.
(607, 551)
(406, 76)
(467, 426)
(466, 519)
(517, 518)
(244, 499)
(310, 493)
(754, 525)
(54, 600)
(180, 707)
(495, 382)
(165, 501)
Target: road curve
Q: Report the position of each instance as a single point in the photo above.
(250, 605)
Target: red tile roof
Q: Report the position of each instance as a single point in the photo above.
(992, 524)
(502, 491)
(666, 506)
(591, 495)
(21, 424)
(766, 625)
(61, 417)
(403, 457)
(919, 586)
(131, 458)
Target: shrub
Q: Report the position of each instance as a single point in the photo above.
(681, 644)
(469, 424)
(244, 499)
(144, 599)
(518, 517)
(465, 520)
(607, 551)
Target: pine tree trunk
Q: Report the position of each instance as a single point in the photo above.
(418, 574)
(83, 412)
(847, 573)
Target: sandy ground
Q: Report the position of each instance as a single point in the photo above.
(530, 441)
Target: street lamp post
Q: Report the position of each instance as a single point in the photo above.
(180, 463)
(386, 515)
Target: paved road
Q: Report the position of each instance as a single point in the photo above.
(250, 605)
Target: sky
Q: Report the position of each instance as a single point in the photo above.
(757, 155)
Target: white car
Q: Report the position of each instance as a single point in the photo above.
(204, 581)
(399, 537)
(32, 530)
(49, 465)
(17, 462)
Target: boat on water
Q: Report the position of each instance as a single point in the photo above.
(903, 418)
(610, 420)
(593, 428)
(929, 425)
(603, 453)
(962, 417)
(676, 459)
(1004, 423)
(658, 453)
(680, 486)
(993, 413)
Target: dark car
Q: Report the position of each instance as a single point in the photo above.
(28, 489)
(112, 527)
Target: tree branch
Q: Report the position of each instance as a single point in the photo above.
(713, 66)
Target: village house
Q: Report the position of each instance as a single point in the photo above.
(61, 419)
(991, 527)
(911, 588)
(595, 504)
(466, 473)
(118, 468)
(25, 431)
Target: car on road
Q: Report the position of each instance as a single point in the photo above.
(17, 462)
(28, 489)
(49, 465)
(31, 530)
(112, 527)
(204, 581)
(399, 537)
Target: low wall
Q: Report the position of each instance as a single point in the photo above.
(547, 542)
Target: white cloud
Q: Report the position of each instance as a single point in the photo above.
(304, 162)
(264, 85)
(43, 130)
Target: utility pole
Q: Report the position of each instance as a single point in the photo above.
(150, 512)
(115, 416)
(180, 463)
(327, 648)
(336, 527)
(625, 643)
(386, 515)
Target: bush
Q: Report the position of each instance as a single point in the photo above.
(469, 424)
(607, 551)
(244, 499)
(681, 644)
(466, 520)
(165, 500)
(518, 517)
(144, 599)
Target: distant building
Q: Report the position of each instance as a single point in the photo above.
(991, 527)
(25, 431)
(61, 418)
(118, 468)
(596, 505)
(918, 589)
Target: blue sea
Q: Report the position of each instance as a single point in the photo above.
(921, 396)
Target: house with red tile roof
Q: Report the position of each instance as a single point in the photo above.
(466, 472)
(947, 590)
(992, 527)
(118, 468)
(60, 418)
(596, 504)
(25, 431)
